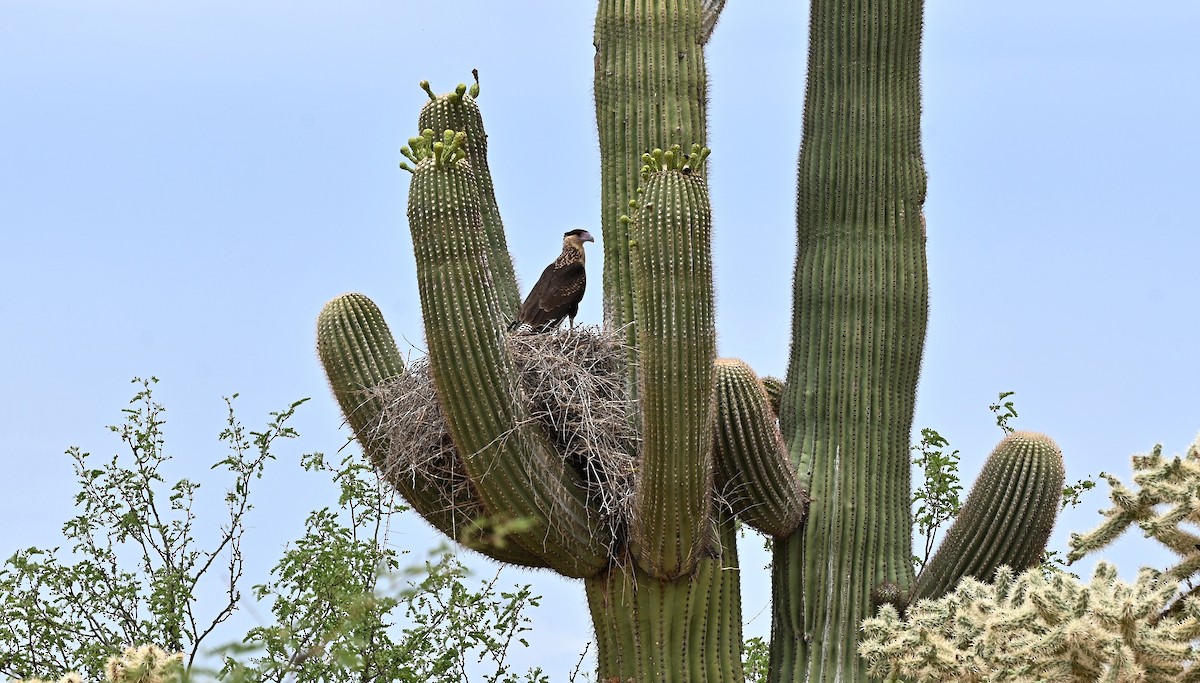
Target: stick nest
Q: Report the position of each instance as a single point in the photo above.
(573, 386)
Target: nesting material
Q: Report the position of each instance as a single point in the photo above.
(572, 384)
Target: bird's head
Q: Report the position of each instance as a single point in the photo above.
(575, 238)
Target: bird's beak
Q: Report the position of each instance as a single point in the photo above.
(586, 237)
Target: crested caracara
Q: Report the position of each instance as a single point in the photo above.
(558, 291)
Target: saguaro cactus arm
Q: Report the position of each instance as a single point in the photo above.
(510, 462)
(753, 472)
(1007, 518)
(672, 265)
(650, 92)
(359, 354)
(774, 388)
(458, 111)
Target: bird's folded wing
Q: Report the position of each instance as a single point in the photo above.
(564, 288)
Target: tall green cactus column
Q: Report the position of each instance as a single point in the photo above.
(858, 328)
(650, 87)
(671, 238)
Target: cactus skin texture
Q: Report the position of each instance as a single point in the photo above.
(1007, 518)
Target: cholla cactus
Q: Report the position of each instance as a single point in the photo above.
(1172, 486)
(1035, 627)
(1053, 627)
(145, 664)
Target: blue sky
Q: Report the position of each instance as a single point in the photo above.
(183, 185)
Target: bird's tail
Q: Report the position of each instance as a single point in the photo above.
(519, 327)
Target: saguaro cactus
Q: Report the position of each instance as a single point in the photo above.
(859, 309)
(662, 586)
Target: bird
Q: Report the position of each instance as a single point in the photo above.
(558, 291)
